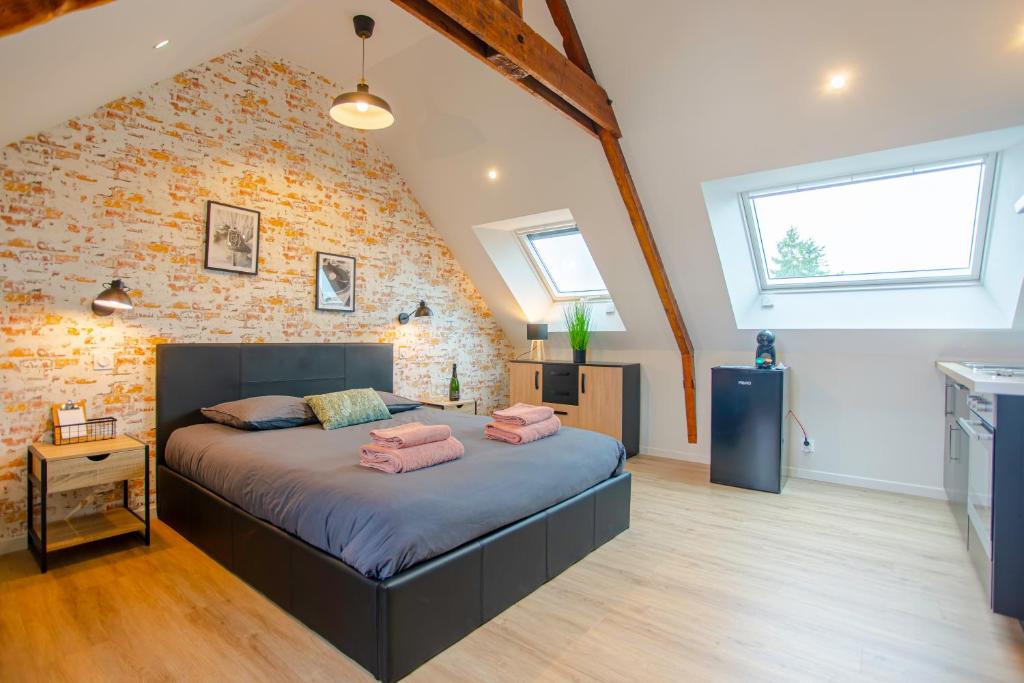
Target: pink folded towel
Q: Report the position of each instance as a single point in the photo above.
(523, 414)
(520, 434)
(396, 460)
(411, 434)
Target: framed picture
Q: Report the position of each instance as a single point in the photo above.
(232, 238)
(335, 282)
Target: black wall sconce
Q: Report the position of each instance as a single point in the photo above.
(113, 298)
(421, 312)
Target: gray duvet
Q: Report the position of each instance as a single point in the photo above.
(308, 482)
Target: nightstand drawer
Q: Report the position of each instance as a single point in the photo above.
(73, 473)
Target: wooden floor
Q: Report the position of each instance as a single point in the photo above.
(823, 583)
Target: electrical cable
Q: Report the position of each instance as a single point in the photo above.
(807, 442)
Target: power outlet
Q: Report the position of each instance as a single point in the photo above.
(808, 447)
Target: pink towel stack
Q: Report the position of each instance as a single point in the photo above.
(522, 423)
(410, 447)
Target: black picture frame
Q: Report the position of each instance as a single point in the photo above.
(338, 266)
(225, 248)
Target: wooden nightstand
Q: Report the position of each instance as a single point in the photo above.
(61, 468)
(467, 406)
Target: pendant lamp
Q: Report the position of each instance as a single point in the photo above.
(360, 109)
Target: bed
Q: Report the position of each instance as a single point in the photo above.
(391, 569)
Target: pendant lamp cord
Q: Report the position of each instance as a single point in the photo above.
(362, 69)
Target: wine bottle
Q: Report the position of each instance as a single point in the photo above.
(453, 386)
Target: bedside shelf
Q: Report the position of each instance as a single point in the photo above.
(467, 406)
(88, 528)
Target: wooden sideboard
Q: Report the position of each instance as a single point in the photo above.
(601, 397)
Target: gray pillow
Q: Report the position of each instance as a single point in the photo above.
(262, 412)
(397, 404)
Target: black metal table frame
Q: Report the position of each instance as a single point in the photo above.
(37, 539)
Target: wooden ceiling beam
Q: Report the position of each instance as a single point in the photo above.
(500, 30)
(573, 46)
(493, 32)
(18, 15)
(571, 42)
(430, 15)
(649, 248)
(514, 5)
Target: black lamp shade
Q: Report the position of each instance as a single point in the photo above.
(536, 331)
(422, 311)
(113, 298)
(361, 109)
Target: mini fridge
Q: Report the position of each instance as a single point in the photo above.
(749, 439)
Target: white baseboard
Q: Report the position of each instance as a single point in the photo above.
(11, 545)
(935, 492)
(686, 456)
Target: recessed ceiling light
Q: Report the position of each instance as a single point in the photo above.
(492, 174)
(838, 81)
(162, 43)
(1018, 39)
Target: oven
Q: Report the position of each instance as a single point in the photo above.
(978, 428)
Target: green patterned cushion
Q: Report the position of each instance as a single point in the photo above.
(352, 407)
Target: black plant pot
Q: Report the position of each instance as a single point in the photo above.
(579, 356)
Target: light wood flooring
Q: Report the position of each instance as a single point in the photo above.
(822, 583)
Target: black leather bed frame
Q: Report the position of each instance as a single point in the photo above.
(389, 627)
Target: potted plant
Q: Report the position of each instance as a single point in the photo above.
(577, 324)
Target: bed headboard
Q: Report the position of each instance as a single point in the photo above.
(192, 376)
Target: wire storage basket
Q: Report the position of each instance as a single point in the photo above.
(82, 432)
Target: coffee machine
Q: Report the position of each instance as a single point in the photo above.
(765, 357)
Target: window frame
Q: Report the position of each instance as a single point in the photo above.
(541, 270)
(979, 241)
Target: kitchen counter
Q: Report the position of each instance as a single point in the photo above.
(984, 380)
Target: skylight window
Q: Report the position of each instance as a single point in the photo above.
(563, 262)
(921, 224)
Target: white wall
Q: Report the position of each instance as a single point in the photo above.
(707, 90)
(1006, 244)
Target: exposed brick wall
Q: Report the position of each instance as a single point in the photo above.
(122, 192)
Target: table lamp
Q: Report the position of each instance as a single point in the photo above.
(537, 333)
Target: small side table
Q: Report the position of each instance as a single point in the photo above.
(467, 406)
(61, 468)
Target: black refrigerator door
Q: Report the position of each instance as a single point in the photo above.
(746, 428)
